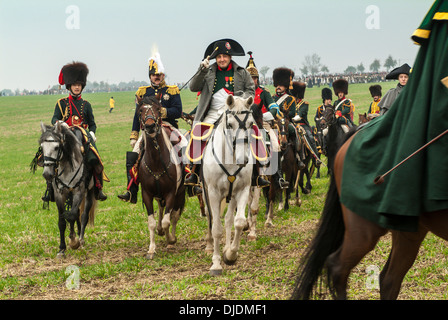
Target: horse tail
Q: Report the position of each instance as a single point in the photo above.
(92, 213)
(327, 240)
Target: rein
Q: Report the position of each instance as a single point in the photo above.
(241, 126)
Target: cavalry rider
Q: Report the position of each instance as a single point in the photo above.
(74, 111)
(374, 109)
(402, 75)
(327, 98)
(282, 78)
(270, 112)
(343, 106)
(170, 111)
(215, 83)
(301, 116)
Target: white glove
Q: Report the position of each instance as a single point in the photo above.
(92, 134)
(63, 124)
(297, 118)
(205, 64)
(133, 142)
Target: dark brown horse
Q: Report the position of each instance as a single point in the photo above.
(160, 173)
(344, 238)
(290, 164)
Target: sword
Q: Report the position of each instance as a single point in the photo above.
(380, 179)
(211, 56)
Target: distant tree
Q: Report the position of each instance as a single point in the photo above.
(350, 69)
(390, 63)
(304, 70)
(360, 68)
(312, 64)
(375, 65)
(263, 70)
(324, 69)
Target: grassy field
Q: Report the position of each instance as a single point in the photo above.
(112, 264)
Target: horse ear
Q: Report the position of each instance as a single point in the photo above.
(230, 101)
(249, 101)
(138, 100)
(57, 127)
(42, 127)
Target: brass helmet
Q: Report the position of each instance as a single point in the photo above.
(251, 66)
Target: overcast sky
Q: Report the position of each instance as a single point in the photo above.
(115, 38)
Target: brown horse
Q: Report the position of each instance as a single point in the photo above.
(344, 238)
(290, 164)
(160, 173)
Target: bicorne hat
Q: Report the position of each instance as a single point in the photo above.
(404, 69)
(224, 46)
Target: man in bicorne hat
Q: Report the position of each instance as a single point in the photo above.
(216, 82)
(374, 109)
(74, 111)
(343, 106)
(402, 75)
(170, 111)
(270, 112)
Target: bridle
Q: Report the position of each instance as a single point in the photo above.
(146, 117)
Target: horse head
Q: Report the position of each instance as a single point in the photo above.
(150, 115)
(238, 122)
(328, 117)
(59, 147)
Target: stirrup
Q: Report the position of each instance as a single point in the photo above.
(283, 183)
(264, 182)
(195, 181)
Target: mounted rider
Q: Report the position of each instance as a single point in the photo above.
(343, 106)
(74, 111)
(171, 110)
(300, 117)
(215, 83)
(270, 112)
(374, 109)
(327, 98)
(282, 78)
(402, 75)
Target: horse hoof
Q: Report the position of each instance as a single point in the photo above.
(227, 261)
(82, 243)
(60, 255)
(209, 249)
(269, 224)
(251, 238)
(215, 273)
(74, 244)
(149, 256)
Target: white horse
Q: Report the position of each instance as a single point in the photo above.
(226, 174)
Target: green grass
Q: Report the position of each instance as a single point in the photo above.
(112, 264)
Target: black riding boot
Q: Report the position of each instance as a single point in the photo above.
(281, 181)
(257, 179)
(131, 194)
(192, 178)
(99, 194)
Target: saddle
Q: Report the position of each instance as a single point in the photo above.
(200, 135)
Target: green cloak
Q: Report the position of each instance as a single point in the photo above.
(419, 114)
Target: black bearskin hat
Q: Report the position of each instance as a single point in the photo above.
(327, 94)
(75, 72)
(282, 77)
(340, 85)
(298, 89)
(375, 90)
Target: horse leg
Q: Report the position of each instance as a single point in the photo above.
(405, 246)
(360, 237)
(166, 221)
(231, 254)
(215, 204)
(253, 213)
(62, 224)
(148, 202)
(228, 224)
(160, 230)
(89, 203)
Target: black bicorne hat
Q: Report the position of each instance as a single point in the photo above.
(224, 46)
(404, 69)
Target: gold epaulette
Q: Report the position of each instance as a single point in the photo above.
(63, 113)
(172, 90)
(134, 135)
(141, 91)
(287, 106)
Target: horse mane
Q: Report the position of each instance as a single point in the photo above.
(257, 114)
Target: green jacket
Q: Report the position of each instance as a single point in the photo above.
(417, 116)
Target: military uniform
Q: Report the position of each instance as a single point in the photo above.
(374, 109)
(343, 107)
(77, 112)
(171, 110)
